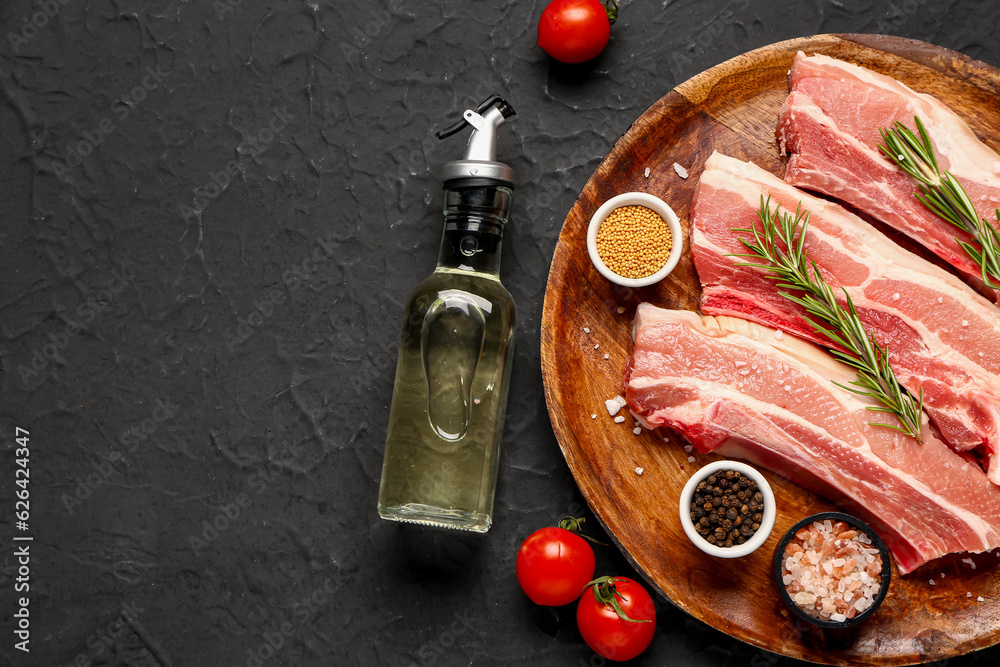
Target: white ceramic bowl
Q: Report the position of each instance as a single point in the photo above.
(766, 525)
(636, 199)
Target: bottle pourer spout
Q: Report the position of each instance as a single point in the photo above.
(479, 162)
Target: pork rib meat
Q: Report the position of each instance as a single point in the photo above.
(737, 389)
(830, 126)
(941, 335)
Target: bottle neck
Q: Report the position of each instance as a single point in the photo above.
(474, 218)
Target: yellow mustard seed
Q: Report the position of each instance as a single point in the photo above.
(634, 241)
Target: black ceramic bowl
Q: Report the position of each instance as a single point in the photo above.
(877, 542)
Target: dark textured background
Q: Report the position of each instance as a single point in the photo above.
(277, 368)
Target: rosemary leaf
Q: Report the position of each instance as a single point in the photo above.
(780, 244)
(944, 195)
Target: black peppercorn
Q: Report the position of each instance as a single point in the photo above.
(727, 508)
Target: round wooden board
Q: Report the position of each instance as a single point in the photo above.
(733, 108)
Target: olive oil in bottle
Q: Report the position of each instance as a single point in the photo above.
(445, 424)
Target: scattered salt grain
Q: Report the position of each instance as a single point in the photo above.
(646, 173)
(593, 416)
(980, 599)
(607, 356)
(690, 459)
(637, 430)
(614, 405)
(968, 595)
(619, 419)
(638, 471)
(971, 563)
(940, 299)
(788, 387)
(931, 582)
(620, 310)
(597, 346)
(688, 448)
(965, 323)
(895, 297)
(779, 334)
(476, 401)
(681, 171)
(586, 330)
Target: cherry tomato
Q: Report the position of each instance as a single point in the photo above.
(603, 627)
(574, 31)
(554, 566)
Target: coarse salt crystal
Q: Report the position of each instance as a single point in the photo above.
(940, 299)
(597, 346)
(476, 401)
(607, 356)
(788, 387)
(638, 471)
(593, 416)
(646, 173)
(779, 334)
(586, 330)
(690, 459)
(838, 618)
(965, 323)
(895, 297)
(619, 419)
(681, 171)
(980, 599)
(614, 405)
(620, 310)
(637, 430)
(931, 582)
(688, 448)
(968, 595)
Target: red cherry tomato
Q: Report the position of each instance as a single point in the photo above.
(554, 565)
(604, 629)
(574, 31)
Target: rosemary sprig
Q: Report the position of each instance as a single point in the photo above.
(781, 244)
(944, 195)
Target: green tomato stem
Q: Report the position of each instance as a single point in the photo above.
(605, 592)
(575, 526)
(611, 7)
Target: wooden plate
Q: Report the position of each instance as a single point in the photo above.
(734, 108)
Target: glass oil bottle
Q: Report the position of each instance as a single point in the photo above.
(445, 424)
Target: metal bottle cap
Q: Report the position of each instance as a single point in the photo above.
(479, 166)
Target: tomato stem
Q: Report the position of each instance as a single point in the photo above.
(605, 592)
(611, 7)
(574, 525)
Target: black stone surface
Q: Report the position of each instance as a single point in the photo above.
(199, 309)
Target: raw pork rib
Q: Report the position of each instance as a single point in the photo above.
(830, 126)
(734, 388)
(942, 336)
